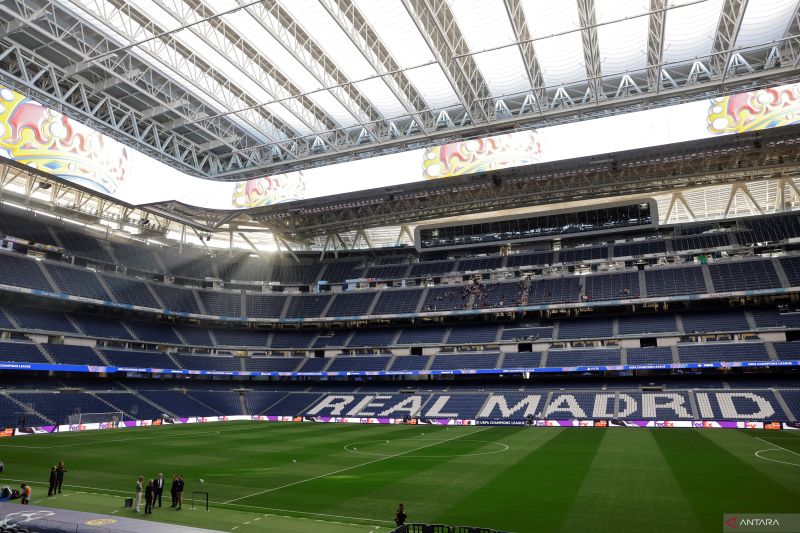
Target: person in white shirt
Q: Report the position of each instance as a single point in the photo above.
(137, 502)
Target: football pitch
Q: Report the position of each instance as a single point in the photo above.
(291, 477)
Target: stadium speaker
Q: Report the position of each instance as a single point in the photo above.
(497, 180)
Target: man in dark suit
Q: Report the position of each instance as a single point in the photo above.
(180, 492)
(174, 490)
(60, 470)
(53, 480)
(158, 485)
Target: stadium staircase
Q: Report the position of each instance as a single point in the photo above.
(145, 399)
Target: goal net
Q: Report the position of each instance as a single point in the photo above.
(111, 417)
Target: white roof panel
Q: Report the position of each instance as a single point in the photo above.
(765, 21)
(561, 57)
(485, 24)
(623, 45)
(689, 30)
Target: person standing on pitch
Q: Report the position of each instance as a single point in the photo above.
(25, 495)
(174, 491)
(52, 489)
(137, 501)
(400, 516)
(180, 492)
(149, 496)
(159, 488)
(60, 475)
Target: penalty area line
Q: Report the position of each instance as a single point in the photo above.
(351, 467)
(290, 512)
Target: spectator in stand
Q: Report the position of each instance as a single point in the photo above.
(137, 501)
(25, 495)
(53, 480)
(149, 494)
(60, 471)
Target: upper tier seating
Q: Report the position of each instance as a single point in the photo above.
(709, 352)
(674, 281)
(241, 337)
(264, 305)
(386, 272)
(640, 248)
(583, 357)
(67, 354)
(76, 281)
(159, 333)
(140, 257)
(426, 335)
(459, 361)
(744, 276)
(480, 263)
(396, 302)
(579, 255)
(715, 321)
(295, 274)
(137, 358)
(190, 264)
(410, 362)
(83, 245)
(21, 352)
(342, 270)
(363, 338)
(20, 271)
(351, 304)
(445, 298)
(431, 269)
(700, 242)
(34, 230)
(555, 291)
(102, 327)
(176, 298)
(529, 259)
(208, 362)
(473, 334)
(194, 336)
(522, 360)
(272, 364)
(221, 303)
(29, 318)
(130, 291)
(791, 266)
(586, 328)
(307, 305)
(657, 355)
(619, 286)
(356, 364)
(292, 339)
(771, 228)
(525, 333)
(647, 324)
(332, 338)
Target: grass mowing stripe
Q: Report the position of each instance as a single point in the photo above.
(715, 480)
(537, 492)
(353, 467)
(629, 462)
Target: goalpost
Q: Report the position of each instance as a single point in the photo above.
(110, 417)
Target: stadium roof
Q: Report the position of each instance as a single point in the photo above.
(232, 89)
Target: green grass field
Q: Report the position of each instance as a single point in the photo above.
(350, 478)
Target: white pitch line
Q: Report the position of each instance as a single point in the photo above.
(352, 467)
(778, 445)
(276, 509)
(773, 460)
